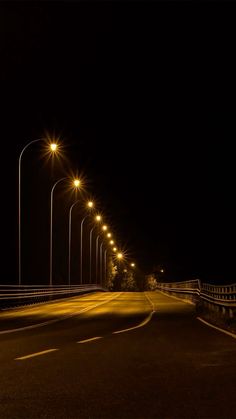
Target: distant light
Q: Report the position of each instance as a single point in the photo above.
(114, 249)
(162, 270)
(53, 147)
(98, 218)
(132, 264)
(76, 183)
(90, 204)
(104, 227)
(111, 242)
(125, 270)
(108, 234)
(119, 255)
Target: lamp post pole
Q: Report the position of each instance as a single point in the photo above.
(97, 257)
(69, 241)
(90, 255)
(105, 266)
(81, 248)
(101, 267)
(19, 207)
(51, 226)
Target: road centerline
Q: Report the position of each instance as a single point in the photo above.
(143, 323)
(90, 339)
(21, 358)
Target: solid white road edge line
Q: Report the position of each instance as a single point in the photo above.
(233, 335)
(35, 354)
(34, 326)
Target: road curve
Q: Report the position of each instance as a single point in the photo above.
(115, 355)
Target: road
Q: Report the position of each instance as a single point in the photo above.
(115, 355)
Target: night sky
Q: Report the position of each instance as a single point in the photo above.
(139, 94)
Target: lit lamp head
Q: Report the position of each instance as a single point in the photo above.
(76, 183)
(90, 204)
(104, 228)
(114, 249)
(108, 235)
(132, 265)
(119, 256)
(53, 147)
(98, 218)
(111, 242)
(162, 271)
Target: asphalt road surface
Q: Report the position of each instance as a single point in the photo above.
(114, 355)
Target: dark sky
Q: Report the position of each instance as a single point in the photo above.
(140, 94)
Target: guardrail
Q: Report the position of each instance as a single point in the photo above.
(212, 296)
(14, 295)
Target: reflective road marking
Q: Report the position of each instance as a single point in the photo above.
(233, 335)
(143, 323)
(89, 340)
(35, 354)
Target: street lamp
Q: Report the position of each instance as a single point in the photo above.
(69, 240)
(76, 184)
(52, 149)
(98, 219)
(101, 262)
(97, 257)
(105, 264)
(90, 205)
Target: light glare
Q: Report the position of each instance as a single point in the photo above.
(76, 183)
(53, 146)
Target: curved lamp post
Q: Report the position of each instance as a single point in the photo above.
(105, 265)
(53, 149)
(98, 218)
(90, 206)
(96, 277)
(101, 262)
(69, 241)
(76, 183)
